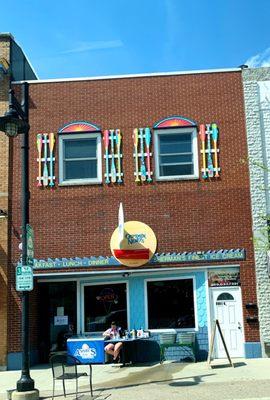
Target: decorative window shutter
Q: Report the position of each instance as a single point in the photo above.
(46, 159)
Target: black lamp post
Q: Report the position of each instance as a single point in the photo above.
(14, 122)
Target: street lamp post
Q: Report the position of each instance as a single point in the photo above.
(14, 122)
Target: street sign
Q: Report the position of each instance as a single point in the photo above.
(30, 244)
(24, 278)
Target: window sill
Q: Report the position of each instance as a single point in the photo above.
(80, 183)
(177, 178)
(158, 331)
(172, 330)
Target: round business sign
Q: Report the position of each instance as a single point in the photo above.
(136, 247)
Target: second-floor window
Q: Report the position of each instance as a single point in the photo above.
(80, 159)
(176, 154)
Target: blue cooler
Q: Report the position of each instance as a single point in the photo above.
(86, 350)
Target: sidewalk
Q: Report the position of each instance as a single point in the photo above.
(250, 379)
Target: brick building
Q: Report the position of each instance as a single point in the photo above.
(196, 201)
(13, 66)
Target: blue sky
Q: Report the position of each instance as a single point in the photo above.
(64, 38)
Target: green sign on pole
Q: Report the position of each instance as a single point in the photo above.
(30, 245)
(24, 278)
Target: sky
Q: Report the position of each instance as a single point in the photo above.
(84, 38)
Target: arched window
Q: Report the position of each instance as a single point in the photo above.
(225, 296)
(80, 159)
(176, 148)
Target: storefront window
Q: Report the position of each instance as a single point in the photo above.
(104, 304)
(170, 304)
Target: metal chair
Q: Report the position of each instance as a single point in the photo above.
(166, 340)
(64, 367)
(187, 340)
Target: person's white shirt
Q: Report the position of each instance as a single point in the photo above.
(112, 332)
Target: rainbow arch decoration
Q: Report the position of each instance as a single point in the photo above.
(174, 121)
(79, 126)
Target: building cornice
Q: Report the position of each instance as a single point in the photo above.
(128, 76)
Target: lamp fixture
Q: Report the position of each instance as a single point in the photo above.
(15, 120)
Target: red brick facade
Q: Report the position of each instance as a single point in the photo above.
(187, 215)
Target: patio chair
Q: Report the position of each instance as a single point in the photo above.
(166, 340)
(64, 367)
(187, 340)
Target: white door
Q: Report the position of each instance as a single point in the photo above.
(227, 309)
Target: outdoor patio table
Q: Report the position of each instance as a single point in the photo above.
(128, 344)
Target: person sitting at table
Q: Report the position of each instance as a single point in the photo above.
(114, 332)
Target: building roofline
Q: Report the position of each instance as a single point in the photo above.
(7, 35)
(11, 37)
(143, 75)
(27, 59)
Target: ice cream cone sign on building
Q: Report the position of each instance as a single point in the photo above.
(133, 243)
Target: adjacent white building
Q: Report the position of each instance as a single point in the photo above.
(256, 84)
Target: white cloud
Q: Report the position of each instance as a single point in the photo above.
(82, 47)
(171, 22)
(260, 60)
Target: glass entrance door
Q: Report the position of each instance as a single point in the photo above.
(57, 316)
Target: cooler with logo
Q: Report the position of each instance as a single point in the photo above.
(87, 350)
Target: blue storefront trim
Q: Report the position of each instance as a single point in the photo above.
(137, 304)
(253, 350)
(137, 314)
(14, 360)
(101, 261)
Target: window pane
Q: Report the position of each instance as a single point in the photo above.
(174, 170)
(104, 304)
(171, 304)
(174, 159)
(80, 148)
(172, 143)
(225, 296)
(80, 169)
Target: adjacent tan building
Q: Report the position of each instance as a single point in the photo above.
(13, 66)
